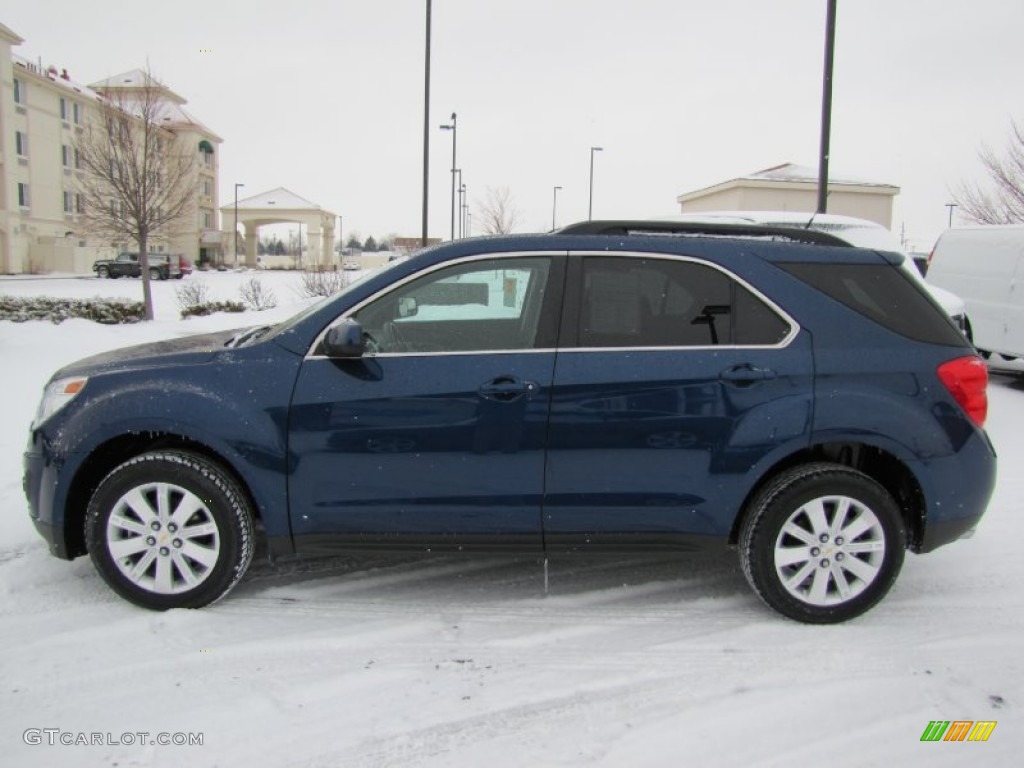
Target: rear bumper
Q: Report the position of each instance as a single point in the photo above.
(938, 534)
(959, 493)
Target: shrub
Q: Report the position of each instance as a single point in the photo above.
(256, 295)
(194, 293)
(209, 307)
(321, 281)
(107, 311)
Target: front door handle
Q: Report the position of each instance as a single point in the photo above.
(505, 389)
(746, 374)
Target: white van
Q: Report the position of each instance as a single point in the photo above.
(859, 233)
(986, 266)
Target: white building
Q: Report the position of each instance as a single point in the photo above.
(42, 113)
(790, 187)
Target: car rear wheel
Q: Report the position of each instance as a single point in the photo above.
(822, 543)
(103, 272)
(170, 529)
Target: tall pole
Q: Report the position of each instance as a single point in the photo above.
(426, 130)
(590, 205)
(454, 128)
(236, 223)
(826, 106)
(951, 206)
(463, 207)
(554, 207)
(459, 190)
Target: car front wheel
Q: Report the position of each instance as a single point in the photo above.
(170, 529)
(822, 543)
(154, 274)
(103, 272)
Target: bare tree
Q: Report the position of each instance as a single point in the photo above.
(498, 212)
(1001, 201)
(139, 179)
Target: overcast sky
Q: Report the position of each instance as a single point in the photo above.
(326, 98)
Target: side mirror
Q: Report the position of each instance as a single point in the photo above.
(407, 307)
(345, 339)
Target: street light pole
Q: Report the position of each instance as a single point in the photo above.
(951, 206)
(554, 207)
(590, 205)
(826, 106)
(463, 208)
(454, 128)
(236, 223)
(426, 130)
(459, 190)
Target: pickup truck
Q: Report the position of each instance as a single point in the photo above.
(161, 267)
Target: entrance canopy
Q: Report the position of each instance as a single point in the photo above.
(280, 206)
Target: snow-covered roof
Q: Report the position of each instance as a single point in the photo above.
(791, 173)
(277, 199)
(135, 79)
(794, 172)
(58, 77)
(173, 115)
(170, 112)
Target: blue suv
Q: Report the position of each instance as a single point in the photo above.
(615, 386)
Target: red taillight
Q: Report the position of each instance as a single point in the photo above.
(966, 378)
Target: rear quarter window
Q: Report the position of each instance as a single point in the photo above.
(884, 294)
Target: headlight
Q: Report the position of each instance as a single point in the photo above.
(57, 394)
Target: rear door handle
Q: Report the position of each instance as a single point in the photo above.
(505, 389)
(746, 374)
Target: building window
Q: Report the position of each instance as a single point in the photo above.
(79, 205)
(69, 202)
(78, 159)
(23, 198)
(75, 111)
(65, 155)
(63, 108)
(19, 92)
(21, 142)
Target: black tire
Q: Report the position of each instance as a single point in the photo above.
(800, 574)
(159, 555)
(155, 274)
(102, 272)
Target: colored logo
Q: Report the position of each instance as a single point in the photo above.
(958, 730)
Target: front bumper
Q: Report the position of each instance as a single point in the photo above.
(39, 482)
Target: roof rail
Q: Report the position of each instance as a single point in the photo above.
(701, 229)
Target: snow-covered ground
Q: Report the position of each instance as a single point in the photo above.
(466, 662)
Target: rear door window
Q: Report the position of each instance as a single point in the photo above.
(628, 301)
